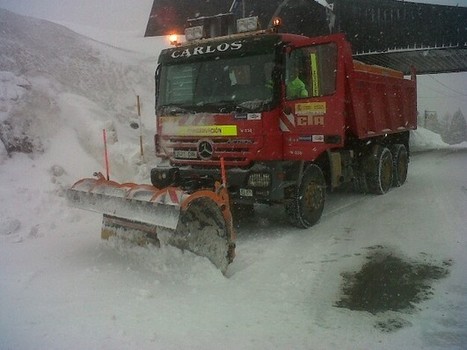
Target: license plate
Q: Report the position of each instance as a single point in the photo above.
(246, 192)
(185, 154)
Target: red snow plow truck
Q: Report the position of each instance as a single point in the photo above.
(257, 116)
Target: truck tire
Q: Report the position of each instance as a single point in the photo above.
(306, 207)
(400, 164)
(379, 176)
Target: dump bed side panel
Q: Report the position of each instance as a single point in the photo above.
(380, 101)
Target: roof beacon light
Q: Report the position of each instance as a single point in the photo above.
(173, 39)
(247, 24)
(276, 23)
(194, 33)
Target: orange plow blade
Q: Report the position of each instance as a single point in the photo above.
(200, 222)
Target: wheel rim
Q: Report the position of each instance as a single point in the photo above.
(313, 196)
(307, 206)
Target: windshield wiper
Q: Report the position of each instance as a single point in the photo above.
(223, 106)
(173, 109)
(227, 106)
(243, 107)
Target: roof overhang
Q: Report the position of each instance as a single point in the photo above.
(424, 60)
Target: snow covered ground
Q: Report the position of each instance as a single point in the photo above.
(61, 287)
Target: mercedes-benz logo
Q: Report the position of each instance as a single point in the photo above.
(205, 149)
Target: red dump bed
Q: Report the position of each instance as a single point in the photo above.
(380, 101)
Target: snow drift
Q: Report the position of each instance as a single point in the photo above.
(53, 78)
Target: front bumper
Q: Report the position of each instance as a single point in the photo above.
(264, 182)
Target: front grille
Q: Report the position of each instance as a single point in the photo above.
(236, 152)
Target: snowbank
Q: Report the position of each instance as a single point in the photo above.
(425, 140)
(54, 78)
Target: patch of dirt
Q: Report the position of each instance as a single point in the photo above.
(388, 282)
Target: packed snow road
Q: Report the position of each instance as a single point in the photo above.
(61, 287)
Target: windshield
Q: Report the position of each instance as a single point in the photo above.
(240, 83)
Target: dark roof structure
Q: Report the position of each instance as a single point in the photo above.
(391, 33)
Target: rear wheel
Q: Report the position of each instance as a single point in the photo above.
(380, 170)
(400, 160)
(307, 205)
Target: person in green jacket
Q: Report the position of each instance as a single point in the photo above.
(296, 87)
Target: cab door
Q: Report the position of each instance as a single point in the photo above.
(312, 119)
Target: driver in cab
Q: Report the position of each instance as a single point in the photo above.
(296, 87)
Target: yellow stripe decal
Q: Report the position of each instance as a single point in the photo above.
(314, 75)
(207, 130)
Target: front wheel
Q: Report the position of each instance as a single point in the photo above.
(306, 207)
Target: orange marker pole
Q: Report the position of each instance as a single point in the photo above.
(106, 156)
(224, 177)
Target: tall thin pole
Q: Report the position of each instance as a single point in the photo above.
(106, 155)
(138, 105)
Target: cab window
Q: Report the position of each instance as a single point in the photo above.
(311, 71)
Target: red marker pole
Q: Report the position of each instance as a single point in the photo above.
(106, 156)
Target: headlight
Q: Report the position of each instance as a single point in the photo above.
(259, 180)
